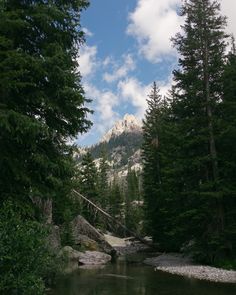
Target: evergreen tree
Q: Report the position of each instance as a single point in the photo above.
(116, 199)
(103, 186)
(41, 107)
(151, 159)
(88, 179)
(41, 98)
(132, 184)
(132, 193)
(227, 149)
(197, 94)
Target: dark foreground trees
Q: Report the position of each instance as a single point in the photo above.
(41, 103)
(197, 93)
(194, 192)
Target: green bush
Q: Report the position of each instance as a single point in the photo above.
(24, 257)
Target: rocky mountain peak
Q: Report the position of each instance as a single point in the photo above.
(128, 124)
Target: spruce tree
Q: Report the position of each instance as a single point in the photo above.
(151, 160)
(197, 94)
(133, 210)
(103, 185)
(42, 107)
(116, 208)
(41, 97)
(227, 149)
(88, 178)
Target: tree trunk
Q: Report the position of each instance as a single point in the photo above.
(212, 145)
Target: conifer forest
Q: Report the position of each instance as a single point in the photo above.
(169, 182)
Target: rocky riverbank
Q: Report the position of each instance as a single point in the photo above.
(179, 265)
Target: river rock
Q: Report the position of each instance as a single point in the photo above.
(70, 253)
(86, 243)
(75, 258)
(81, 226)
(94, 258)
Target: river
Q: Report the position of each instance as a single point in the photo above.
(125, 278)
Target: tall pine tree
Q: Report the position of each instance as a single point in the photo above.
(88, 184)
(197, 93)
(151, 160)
(41, 97)
(41, 107)
(227, 149)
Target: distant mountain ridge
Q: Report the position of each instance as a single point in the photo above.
(121, 145)
(129, 124)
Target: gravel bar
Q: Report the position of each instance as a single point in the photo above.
(179, 265)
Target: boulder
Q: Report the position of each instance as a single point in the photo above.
(75, 258)
(81, 226)
(86, 243)
(94, 258)
(70, 253)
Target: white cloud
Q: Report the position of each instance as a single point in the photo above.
(136, 93)
(87, 32)
(153, 23)
(104, 103)
(229, 9)
(107, 61)
(87, 60)
(122, 71)
(133, 91)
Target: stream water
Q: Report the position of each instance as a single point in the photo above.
(126, 278)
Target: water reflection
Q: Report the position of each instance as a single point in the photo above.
(131, 279)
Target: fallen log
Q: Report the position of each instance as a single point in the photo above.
(143, 241)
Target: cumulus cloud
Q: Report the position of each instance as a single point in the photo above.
(87, 32)
(120, 71)
(136, 93)
(104, 103)
(229, 9)
(107, 61)
(153, 23)
(87, 60)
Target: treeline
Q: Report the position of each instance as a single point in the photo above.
(189, 150)
(120, 196)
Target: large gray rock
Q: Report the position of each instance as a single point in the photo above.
(86, 243)
(75, 258)
(94, 258)
(81, 226)
(70, 253)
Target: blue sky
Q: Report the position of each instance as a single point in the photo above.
(127, 48)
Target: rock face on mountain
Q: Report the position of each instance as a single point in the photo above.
(122, 145)
(129, 124)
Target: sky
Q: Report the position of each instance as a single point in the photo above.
(127, 48)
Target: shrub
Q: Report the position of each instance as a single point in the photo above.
(24, 256)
